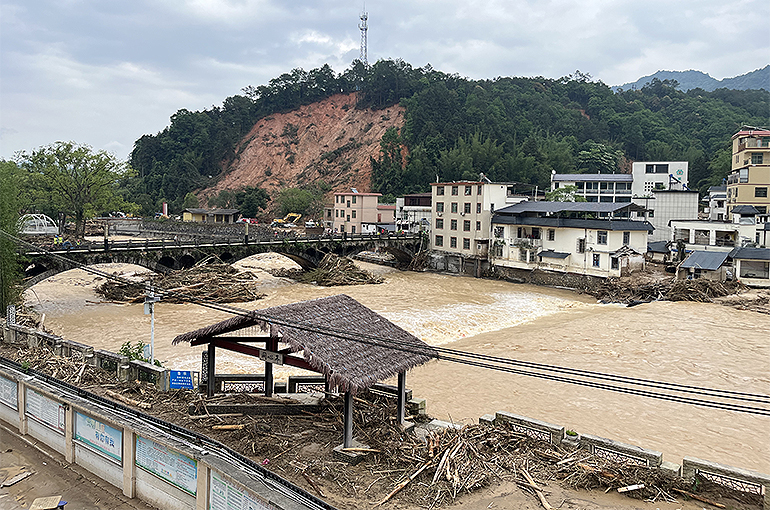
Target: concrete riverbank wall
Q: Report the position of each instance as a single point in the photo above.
(130, 451)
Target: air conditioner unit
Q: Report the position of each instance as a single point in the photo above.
(439, 214)
(462, 213)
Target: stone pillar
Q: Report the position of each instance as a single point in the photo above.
(203, 490)
(22, 403)
(69, 433)
(129, 463)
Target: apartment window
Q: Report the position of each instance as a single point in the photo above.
(651, 213)
(499, 231)
(466, 243)
(597, 260)
(478, 189)
(601, 237)
(354, 200)
(353, 213)
(756, 158)
(467, 225)
(439, 190)
(615, 263)
(478, 208)
(535, 233)
(580, 186)
(467, 207)
(439, 206)
(743, 175)
(353, 229)
(348, 218)
(478, 225)
(468, 190)
(454, 191)
(453, 224)
(453, 242)
(551, 234)
(626, 237)
(760, 192)
(454, 207)
(439, 223)
(439, 240)
(761, 209)
(656, 169)
(581, 245)
(336, 213)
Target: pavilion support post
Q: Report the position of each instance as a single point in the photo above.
(272, 345)
(401, 404)
(211, 375)
(347, 440)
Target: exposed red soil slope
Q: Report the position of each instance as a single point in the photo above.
(330, 140)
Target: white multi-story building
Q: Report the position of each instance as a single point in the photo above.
(413, 212)
(747, 228)
(597, 187)
(659, 187)
(658, 175)
(462, 214)
(717, 200)
(664, 206)
(558, 236)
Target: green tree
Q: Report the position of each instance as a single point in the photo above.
(564, 194)
(73, 179)
(190, 201)
(10, 203)
(308, 200)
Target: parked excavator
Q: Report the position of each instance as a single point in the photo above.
(289, 219)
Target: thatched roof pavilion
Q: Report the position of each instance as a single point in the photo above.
(327, 346)
(351, 345)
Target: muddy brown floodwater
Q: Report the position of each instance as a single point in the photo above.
(695, 344)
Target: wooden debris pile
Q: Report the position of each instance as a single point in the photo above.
(630, 289)
(217, 282)
(334, 270)
(71, 370)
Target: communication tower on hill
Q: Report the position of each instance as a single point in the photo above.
(362, 26)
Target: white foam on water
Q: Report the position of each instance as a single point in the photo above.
(441, 325)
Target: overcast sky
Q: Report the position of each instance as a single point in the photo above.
(105, 72)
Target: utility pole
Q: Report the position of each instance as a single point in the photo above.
(149, 309)
(363, 27)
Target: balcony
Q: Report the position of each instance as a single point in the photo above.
(527, 243)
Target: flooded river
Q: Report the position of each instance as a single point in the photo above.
(686, 343)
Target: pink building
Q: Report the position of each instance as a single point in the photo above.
(352, 209)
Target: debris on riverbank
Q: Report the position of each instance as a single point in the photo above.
(652, 286)
(216, 282)
(434, 468)
(332, 271)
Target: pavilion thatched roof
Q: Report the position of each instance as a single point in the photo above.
(383, 352)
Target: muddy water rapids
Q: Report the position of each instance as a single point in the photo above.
(704, 345)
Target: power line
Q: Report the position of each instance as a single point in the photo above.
(537, 370)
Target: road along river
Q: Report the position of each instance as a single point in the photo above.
(686, 343)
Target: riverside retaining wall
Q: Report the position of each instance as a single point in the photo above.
(144, 457)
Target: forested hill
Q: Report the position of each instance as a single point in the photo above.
(511, 129)
(687, 80)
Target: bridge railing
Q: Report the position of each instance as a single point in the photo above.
(277, 238)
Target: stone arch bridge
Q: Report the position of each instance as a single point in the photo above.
(163, 256)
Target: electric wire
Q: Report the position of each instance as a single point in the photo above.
(506, 365)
